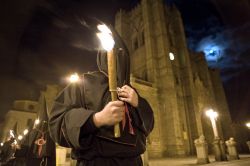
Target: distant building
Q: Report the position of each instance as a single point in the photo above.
(22, 114)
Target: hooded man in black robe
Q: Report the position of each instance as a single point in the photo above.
(42, 149)
(83, 116)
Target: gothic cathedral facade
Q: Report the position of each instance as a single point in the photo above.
(177, 82)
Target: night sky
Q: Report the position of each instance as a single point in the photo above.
(43, 41)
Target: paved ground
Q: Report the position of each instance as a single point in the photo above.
(191, 161)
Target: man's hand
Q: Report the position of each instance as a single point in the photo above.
(128, 94)
(111, 114)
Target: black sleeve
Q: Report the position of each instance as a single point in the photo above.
(88, 128)
(145, 116)
(67, 116)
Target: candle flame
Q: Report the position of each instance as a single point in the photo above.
(105, 36)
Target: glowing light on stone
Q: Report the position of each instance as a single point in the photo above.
(171, 56)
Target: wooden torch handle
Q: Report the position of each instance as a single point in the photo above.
(113, 85)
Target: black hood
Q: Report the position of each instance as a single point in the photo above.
(42, 114)
(41, 132)
(122, 60)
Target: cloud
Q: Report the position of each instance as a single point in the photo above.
(225, 48)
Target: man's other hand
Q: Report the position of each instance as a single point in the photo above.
(111, 114)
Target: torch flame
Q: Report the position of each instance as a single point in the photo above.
(25, 131)
(20, 137)
(106, 38)
(37, 121)
(12, 134)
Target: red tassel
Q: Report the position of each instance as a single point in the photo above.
(131, 129)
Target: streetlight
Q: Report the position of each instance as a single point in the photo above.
(248, 142)
(219, 149)
(213, 116)
(74, 78)
(248, 125)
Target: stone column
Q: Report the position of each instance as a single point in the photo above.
(201, 150)
(232, 151)
(248, 144)
(223, 150)
(217, 149)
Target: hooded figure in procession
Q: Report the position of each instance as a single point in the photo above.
(42, 151)
(83, 116)
(7, 151)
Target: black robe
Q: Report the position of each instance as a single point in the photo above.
(71, 123)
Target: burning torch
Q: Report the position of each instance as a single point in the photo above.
(107, 41)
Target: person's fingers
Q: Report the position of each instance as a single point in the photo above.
(123, 94)
(121, 90)
(124, 99)
(126, 87)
